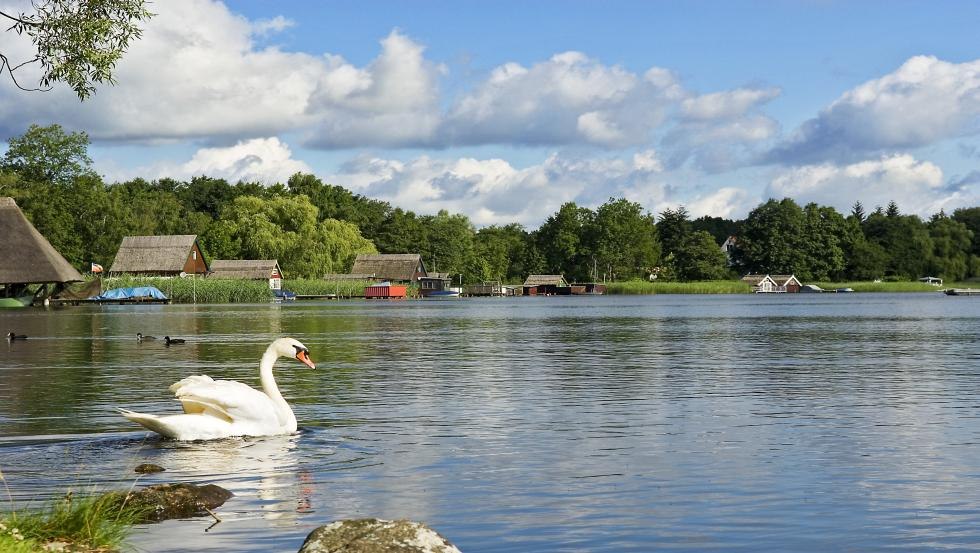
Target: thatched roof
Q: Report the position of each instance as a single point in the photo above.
(254, 269)
(26, 257)
(349, 276)
(153, 254)
(545, 280)
(389, 266)
(755, 280)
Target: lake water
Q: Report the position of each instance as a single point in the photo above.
(835, 422)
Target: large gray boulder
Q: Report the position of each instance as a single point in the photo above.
(371, 535)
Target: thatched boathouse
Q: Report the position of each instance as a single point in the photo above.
(396, 267)
(160, 256)
(248, 269)
(547, 285)
(26, 257)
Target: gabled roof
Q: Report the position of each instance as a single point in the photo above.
(545, 280)
(783, 280)
(25, 255)
(164, 254)
(255, 269)
(389, 266)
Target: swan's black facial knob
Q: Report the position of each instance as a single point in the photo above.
(303, 355)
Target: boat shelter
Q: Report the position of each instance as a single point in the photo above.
(248, 269)
(434, 282)
(26, 257)
(173, 255)
(546, 285)
(760, 283)
(787, 283)
(935, 281)
(394, 267)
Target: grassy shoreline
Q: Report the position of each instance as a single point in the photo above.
(640, 287)
(226, 290)
(217, 291)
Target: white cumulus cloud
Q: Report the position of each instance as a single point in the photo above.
(264, 160)
(567, 99)
(924, 101)
(492, 191)
(916, 186)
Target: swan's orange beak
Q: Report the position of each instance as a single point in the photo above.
(304, 357)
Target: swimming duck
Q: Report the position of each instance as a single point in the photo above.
(170, 340)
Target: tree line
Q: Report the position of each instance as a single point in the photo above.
(315, 228)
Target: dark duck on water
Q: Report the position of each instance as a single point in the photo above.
(11, 336)
(170, 340)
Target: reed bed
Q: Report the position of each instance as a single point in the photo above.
(316, 287)
(638, 287)
(200, 290)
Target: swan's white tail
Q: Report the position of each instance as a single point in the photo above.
(151, 422)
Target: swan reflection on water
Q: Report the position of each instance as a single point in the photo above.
(263, 473)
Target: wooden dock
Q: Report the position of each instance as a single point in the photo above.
(962, 292)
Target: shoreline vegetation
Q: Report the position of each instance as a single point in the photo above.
(97, 523)
(219, 291)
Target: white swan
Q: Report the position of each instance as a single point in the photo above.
(222, 408)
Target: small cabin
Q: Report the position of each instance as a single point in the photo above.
(434, 282)
(547, 285)
(761, 284)
(787, 283)
(935, 281)
(173, 255)
(248, 269)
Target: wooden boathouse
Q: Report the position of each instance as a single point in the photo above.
(248, 269)
(26, 258)
(546, 285)
(394, 267)
(173, 255)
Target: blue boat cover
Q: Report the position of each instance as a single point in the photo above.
(131, 293)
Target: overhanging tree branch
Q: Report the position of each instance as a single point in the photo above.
(78, 42)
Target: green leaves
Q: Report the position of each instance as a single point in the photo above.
(79, 42)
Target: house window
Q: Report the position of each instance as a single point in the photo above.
(194, 255)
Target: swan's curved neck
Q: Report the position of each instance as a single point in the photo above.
(269, 385)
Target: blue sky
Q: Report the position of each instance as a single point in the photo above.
(505, 110)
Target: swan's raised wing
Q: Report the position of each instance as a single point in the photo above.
(225, 399)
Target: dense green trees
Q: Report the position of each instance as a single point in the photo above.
(315, 228)
(689, 254)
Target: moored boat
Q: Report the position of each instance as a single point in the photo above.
(962, 291)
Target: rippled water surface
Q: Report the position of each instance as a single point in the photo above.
(737, 423)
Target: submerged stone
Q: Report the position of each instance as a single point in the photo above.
(167, 501)
(148, 468)
(373, 535)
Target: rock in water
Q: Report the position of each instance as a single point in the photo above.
(149, 468)
(167, 501)
(371, 535)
